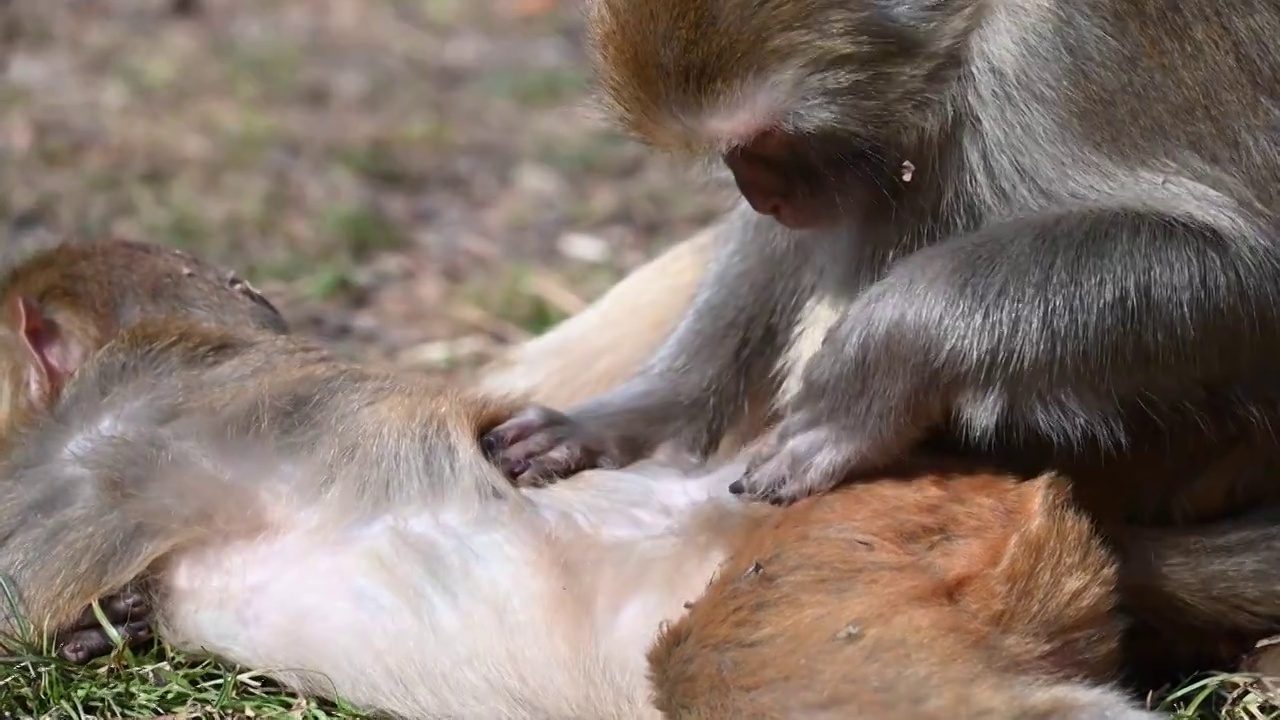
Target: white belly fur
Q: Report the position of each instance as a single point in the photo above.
(542, 609)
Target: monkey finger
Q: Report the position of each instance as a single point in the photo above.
(81, 646)
(529, 423)
(809, 463)
(518, 459)
(558, 462)
(121, 608)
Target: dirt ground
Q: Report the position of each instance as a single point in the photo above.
(418, 181)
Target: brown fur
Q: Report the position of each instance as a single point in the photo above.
(80, 291)
(935, 597)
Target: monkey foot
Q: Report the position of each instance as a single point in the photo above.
(86, 639)
(541, 445)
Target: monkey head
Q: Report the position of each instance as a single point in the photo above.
(65, 303)
(805, 101)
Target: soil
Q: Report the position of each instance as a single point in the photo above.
(418, 181)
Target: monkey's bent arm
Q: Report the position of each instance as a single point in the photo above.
(723, 349)
(1052, 319)
(84, 522)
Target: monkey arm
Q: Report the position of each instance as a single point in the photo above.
(106, 511)
(701, 377)
(1055, 321)
(1057, 316)
(726, 344)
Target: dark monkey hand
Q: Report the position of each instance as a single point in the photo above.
(126, 611)
(866, 398)
(541, 445)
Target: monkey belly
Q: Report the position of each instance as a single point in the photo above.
(542, 609)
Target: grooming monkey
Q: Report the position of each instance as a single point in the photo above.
(1027, 218)
(65, 304)
(1202, 594)
(265, 491)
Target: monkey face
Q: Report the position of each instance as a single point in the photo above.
(812, 104)
(808, 182)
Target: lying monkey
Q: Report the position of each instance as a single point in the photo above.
(63, 305)
(267, 492)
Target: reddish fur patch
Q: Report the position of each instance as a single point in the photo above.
(848, 600)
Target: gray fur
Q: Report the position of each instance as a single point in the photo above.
(1091, 229)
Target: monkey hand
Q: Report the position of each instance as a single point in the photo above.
(837, 428)
(541, 445)
(800, 458)
(86, 639)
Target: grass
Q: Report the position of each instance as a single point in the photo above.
(163, 683)
(159, 683)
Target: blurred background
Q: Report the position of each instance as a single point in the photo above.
(417, 181)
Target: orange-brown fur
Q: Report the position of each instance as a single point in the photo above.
(936, 596)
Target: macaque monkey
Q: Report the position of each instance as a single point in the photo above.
(1202, 593)
(1024, 219)
(65, 304)
(261, 493)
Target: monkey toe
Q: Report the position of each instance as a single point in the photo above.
(124, 607)
(81, 646)
(127, 612)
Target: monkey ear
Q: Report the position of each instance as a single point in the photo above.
(54, 356)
